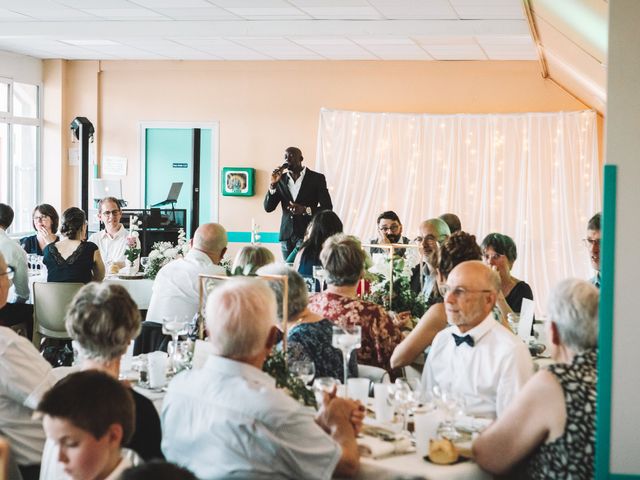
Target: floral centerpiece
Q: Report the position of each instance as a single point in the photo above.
(133, 250)
(163, 252)
(404, 298)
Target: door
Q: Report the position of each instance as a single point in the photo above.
(170, 157)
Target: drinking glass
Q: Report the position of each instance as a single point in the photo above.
(452, 405)
(32, 262)
(319, 275)
(144, 261)
(322, 385)
(305, 370)
(175, 326)
(405, 396)
(346, 339)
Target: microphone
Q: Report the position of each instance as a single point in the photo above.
(284, 166)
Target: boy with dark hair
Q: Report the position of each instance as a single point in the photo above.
(89, 415)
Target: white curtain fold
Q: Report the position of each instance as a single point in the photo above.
(532, 176)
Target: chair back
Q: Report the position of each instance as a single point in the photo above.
(50, 303)
(375, 374)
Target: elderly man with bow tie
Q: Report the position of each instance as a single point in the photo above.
(476, 358)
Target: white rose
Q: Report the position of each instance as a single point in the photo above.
(135, 234)
(171, 252)
(153, 254)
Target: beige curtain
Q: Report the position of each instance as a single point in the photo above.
(532, 176)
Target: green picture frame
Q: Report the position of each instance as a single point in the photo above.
(237, 181)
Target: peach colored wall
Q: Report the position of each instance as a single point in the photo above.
(263, 107)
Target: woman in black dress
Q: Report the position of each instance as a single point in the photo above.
(45, 223)
(499, 252)
(72, 259)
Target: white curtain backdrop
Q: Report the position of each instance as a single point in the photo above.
(532, 176)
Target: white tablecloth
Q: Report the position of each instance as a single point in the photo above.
(140, 290)
(411, 464)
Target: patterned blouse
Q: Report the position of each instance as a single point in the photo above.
(312, 341)
(571, 456)
(379, 334)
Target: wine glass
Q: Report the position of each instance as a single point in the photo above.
(319, 275)
(346, 339)
(305, 370)
(175, 326)
(322, 385)
(144, 261)
(452, 405)
(405, 395)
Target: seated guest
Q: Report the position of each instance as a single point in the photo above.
(476, 357)
(459, 247)
(548, 431)
(324, 224)
(103, 319)
(24, 375)
(72, 259)
(308, 334)
(176, 290)
(228, 419)
(15, 257)
(250, 258)
(389, 231)
(45, 223)
(112, 241)
(499, 252)
(423, 276)
(343, 260)
(88, 416)
(452, 220)
(157, 470)
(592, 242)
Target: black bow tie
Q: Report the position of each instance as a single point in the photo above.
(464, 339)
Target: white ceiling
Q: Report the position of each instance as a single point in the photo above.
(267, 29)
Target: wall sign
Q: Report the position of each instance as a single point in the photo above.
(237, 181)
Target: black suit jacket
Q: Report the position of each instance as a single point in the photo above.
(313, 193)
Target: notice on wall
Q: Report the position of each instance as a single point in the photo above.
(112, 165)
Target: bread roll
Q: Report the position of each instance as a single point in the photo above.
(442, 452)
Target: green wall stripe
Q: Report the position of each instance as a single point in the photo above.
(605, 337)
(245, 237)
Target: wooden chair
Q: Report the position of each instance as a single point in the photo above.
(50, 303)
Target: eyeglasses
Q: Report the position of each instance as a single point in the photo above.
(591, 242)
(430, 238)
(9, 273)
(109, 213)
(492, 258)
(459, 292)
(392, 228)
(39, 218)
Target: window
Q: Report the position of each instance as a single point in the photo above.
(20, 126)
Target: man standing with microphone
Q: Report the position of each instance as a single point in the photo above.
(301, 192)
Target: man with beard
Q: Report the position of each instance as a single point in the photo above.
(301, 193)
(389, 231)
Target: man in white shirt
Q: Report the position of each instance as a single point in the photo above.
(15, 256)
(112, 241)
(176, 289)
(476, 357)
(228, 420)
(24, 376)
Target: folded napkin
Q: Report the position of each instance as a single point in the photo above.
(472, 424)
(376, 448)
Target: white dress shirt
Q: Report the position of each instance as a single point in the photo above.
(294, 186)
(488, 375)
(24, 377)
(228, 420)
(16, 257)
(111, 248)
(176, 289)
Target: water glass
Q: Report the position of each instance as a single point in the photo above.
(426, 427)
(359, 389)
(305, 370)
(158, 362)
(319, 275)
(382, 406)
(144, 262)
(175, 326)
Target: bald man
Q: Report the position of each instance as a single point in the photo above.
(176, 288)
(476, 357)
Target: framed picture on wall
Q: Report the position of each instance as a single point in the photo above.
(237, 181)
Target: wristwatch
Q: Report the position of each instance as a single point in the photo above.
(307, 210)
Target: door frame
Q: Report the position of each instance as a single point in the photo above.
(215, 156)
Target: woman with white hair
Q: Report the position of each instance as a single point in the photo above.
(308, 334)
(548, 431)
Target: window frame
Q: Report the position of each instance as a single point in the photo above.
(10, 120)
